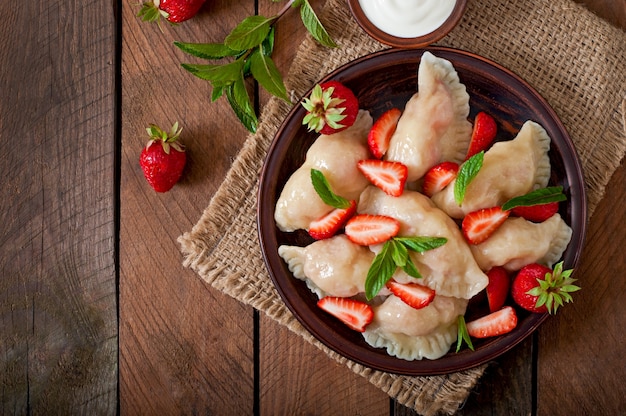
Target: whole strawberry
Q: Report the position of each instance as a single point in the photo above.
(540, 289)
(331, 108)
(174, 11)
(163, 158)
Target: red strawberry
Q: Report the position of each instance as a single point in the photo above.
(537, 213)
(174, 11)
(485, 130)
(497, 288)
(494, 324)
(331, 108)
(366, 229)
(381, 132)
(415, 295)
(329, 224)
(357, 315)
(478, 225)
(438, 177)
(539, 289)
(163, 158)
(387, 175)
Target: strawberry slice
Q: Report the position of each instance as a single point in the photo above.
(367, 230)
(381, 132)
(494, 324)
(438, 177)
(387, 175)
(357, 315)
(478, 225)
(415, 295)
(537, 213)
(329, 224)
(497, 288)
(483, 134)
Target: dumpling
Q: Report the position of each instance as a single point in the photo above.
(331, 267)
(433, 127)
(450, 269)
(510, 168)
(413, 334)
(519, 242)
(336, 156)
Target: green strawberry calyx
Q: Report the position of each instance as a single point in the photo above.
(554, 289)
(168, 139)
(151, 12)
(322, 109)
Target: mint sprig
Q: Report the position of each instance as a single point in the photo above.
(247, 51)
(537, 197)
(463, 335)
(467, 173)
(322, 187)
(394, 254)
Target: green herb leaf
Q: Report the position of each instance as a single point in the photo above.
(227, 73)
(267, 46)
(249, 33)
(322, 187)
(536, 197)
(240, 102)
(206, 50)
(399, 253)
(467, 173)
(314, 26)
(410, 268)
(422, 244)
(264, 70)
(381, 270)
(462, 334)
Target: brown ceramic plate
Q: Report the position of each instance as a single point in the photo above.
(407, 43)
(380, 81)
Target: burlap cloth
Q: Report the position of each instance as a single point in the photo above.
(575, 60)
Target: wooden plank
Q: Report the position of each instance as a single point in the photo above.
(296, 377)
(184, 347)
(58, 346)
(581, 350)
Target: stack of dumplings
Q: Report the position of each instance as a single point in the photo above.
(433, 128)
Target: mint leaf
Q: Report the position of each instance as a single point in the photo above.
(410, 268)
(399, 253)
(381, 270)
(227, 73)
(462, 334)
(206, 50)
(240, 102)
(264, 70)
(314, 26)
(467, 173)
(267, 46)
(422, 244)
(249, 33)
(322, 187)
(536, 197)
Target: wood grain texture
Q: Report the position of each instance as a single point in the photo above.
(184, 347)
(57, 280)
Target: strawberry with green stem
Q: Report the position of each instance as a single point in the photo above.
(174, 11)
(331, 107)
(163, 158)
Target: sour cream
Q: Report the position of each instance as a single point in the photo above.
(407, 18)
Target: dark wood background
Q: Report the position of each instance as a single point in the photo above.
(98, 316)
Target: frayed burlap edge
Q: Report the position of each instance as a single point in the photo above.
(233, 207)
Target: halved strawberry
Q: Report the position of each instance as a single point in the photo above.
(483, 134)
(387, 175)
(438, 177)
(357, 315)
(381, 132)
(413, 294)
(478, 225)
(537, 213)
(329, 224)
(494, 324)
(497, 288)
(366, 229)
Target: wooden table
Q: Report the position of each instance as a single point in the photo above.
(97, 314)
